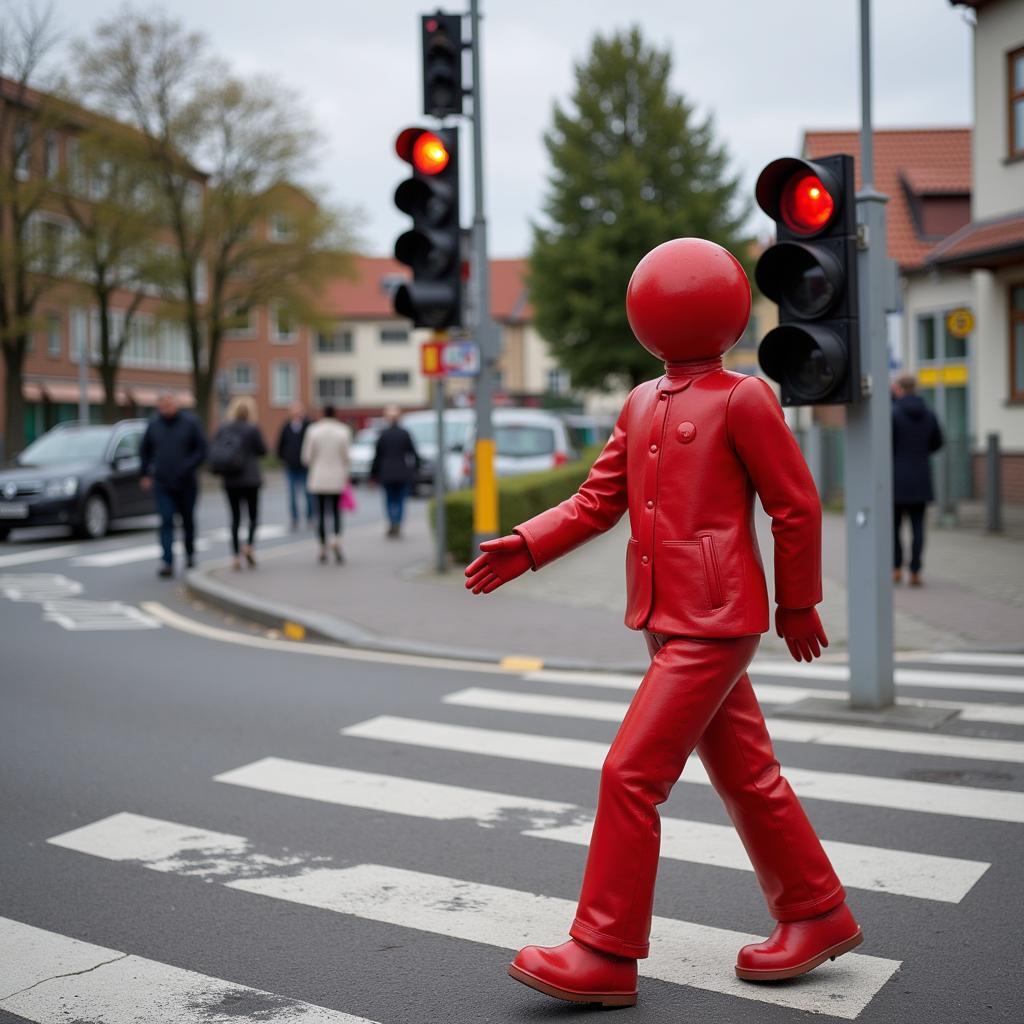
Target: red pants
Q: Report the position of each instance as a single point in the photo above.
(696, 694)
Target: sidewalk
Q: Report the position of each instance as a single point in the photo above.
(570, 615)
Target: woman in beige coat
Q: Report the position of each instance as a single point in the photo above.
(325, 453)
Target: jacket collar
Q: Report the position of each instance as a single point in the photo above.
(679, 376)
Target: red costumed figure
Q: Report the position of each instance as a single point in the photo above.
(687, 456)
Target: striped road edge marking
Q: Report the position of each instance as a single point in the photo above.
(48, 977)
(898, 872)
(839, 787)
(770, 693)
(827, 734)
(992, 659)
(685, 953)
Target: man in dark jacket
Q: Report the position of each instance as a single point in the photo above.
(289, 451)
(395, 463)
(173, 448)
(915, 435)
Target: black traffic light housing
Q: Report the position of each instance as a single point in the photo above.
(811, 274)
(442, 64)
(431, 247)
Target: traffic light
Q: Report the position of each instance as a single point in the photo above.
(811, 273)
(442, 64)
(433, 298)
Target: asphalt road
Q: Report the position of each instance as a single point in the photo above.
(203, 822)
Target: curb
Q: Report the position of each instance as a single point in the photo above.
(301, 623)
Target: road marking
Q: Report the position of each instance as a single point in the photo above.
(138, 553)
(83, 615)
(770, 693)
(38, 587)
(50, 978)
(840, 787)
(820, 733)
(41, 554)
(265, 531)
(992, 659)
(898, 872)
(684, 953)
(916, 677)
(784, 694)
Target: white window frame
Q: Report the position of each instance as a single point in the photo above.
(275, 327)
(407, 383)
(338, 331)
(21, 144)
(54, 320)
(390, 329)
(278, 399)
(280, 227)
(243, 387)
(336, 399)
(247, 330)
(51, 155)
(558, 382)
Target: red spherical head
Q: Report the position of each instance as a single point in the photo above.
(688, 299)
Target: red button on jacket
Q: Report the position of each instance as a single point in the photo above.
(704, 576)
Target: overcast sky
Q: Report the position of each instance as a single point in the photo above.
(765, 69)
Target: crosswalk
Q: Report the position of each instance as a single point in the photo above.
(417, 892)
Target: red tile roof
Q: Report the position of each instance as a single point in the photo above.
(365, 296)
(984, 243)
(928, 161)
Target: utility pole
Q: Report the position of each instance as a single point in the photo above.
(485, 493)
(868, 460)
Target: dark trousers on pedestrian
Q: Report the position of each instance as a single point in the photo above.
(250, 497)
(915, 513)
(180, 501)
(297, 493)
(328, 503)
(696, 695)
(394, 502)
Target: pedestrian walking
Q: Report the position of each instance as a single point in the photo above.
(916, 434)
(395, 467)
(325, 453)
(172, 450)
(235, 456)
(289, 451)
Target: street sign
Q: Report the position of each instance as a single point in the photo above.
(431, 362)
(960, 322)
(461, 359)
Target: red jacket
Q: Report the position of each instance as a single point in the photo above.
(686, 458)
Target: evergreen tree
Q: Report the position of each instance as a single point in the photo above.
(631, 167)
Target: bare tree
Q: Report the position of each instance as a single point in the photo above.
(30, 251)
(254, 139)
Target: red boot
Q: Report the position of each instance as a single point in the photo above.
(796, 947)
(577, 973)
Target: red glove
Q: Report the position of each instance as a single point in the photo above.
(803, 632)
(503, 559)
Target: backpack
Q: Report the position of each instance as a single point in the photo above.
(227, 453)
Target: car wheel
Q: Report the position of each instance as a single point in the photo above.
(95, 517)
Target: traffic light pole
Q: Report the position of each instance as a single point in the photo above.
(868, 459)
(485, 494)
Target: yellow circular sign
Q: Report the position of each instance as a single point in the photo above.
(960, 322)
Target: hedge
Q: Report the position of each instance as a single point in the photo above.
(519, 498)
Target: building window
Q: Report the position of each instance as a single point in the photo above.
(338, 340)
(395, 379)
(335, 390)
(393, 335)
(281, 228)
(283, 322)
(21, 145)
(1015, 101)
(175, 347)
(283, 376)
(53, 339)
(51, 156)
(242, 320)
(926, 350)
(558, 381)
(243, 378)
(79, 332)
(1017, 342)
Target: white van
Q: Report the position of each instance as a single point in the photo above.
(526, 441)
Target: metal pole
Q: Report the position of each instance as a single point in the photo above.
(868, 461)
(485, 494)
(440, 481)
(993, 489)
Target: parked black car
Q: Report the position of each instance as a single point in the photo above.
(76, 475)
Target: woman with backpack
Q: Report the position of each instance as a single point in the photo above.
(325, 453)
(234, 456)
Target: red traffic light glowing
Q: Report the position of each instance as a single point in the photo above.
(424, 150)
(806, 205)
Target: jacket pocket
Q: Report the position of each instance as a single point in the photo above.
(711, 574)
